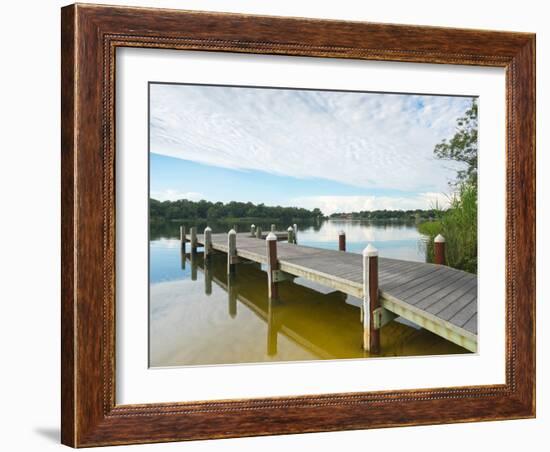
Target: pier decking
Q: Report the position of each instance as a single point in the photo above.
(440, 299)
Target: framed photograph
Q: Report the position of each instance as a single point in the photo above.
(281, 225)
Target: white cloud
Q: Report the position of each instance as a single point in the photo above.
(362, 139)
(333, 204)
(174, 195)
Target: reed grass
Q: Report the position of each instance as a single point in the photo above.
(458, 225)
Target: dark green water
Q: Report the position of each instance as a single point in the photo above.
(198, 316)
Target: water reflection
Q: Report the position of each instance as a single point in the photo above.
(393, 239)
(199, 315)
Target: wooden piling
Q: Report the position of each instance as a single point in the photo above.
(207, 277)
(252, 230)
(194, 266)
(272, 265)
(439, 250)
(258, 232)
(207, 242)
(193, 233)
(271, 330)
(273, 228)
(231, 251)
(182, 237)
(231, 296)
(295, 234)
(183, 258)
(371, 300)
(342, 241)
(290, 232)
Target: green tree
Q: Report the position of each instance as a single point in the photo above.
(458, 224)
(462, 147)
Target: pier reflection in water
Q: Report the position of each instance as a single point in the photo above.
(207, 317)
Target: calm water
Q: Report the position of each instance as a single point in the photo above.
(198, 316)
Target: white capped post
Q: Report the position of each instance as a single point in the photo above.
(231, 251)
(273, 228)
(252, 230)
(295, 233)
(207, 241)
(371, 336)
(258, 232)
(290, 233)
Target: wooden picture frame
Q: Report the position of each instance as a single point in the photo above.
(90, 36)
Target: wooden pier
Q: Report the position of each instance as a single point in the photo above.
(335, 315)
(438, 298)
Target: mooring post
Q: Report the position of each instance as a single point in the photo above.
(272, 265)
(271, 330)
(273, 228)
(231, 251)
(258, 232)
(207, 242)
(290, 232)
(235, 227)
(183, 258)
(193, 233)
(207, 277)
(252, 230)
(439, 250)
(194, 266)
(342, 241)
(182, 237)
(295, 234)
(231, 296)
(371, 301)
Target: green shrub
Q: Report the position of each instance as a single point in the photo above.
(458, 225)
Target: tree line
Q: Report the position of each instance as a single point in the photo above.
(388, 215)
(184, 210)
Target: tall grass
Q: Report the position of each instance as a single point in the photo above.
(458, 225)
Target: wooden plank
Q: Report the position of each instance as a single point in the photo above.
(395, 269)
(471, 324)
(392, 264)
(417, 284)
(450, 311)
(427, 287)
(394, 280)
(327, 266)
(443, 302)
(450, 292)
(462, 316)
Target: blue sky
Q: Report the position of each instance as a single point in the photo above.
(338, 151)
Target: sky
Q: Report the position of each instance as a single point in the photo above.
(338, 151)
